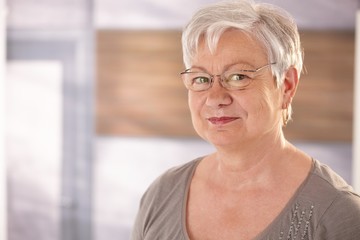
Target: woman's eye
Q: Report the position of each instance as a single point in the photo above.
(237, 77)
(201, 80)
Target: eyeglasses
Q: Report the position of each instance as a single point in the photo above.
(230, 80)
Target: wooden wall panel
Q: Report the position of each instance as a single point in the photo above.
(139, 91)
(323, 104)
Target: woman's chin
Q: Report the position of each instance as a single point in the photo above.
(221, 137)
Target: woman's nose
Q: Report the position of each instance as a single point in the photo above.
(217, 95)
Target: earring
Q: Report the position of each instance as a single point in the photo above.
(285, 113)
(285, 116)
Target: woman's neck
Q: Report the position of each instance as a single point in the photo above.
(251, 163)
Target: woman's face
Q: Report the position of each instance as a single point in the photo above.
(233, 117)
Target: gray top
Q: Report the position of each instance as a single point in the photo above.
(324, 207)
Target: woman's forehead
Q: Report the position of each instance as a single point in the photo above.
(233, 48)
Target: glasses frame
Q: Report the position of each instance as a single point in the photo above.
(221, 79)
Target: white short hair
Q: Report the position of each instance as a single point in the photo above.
(272, 26)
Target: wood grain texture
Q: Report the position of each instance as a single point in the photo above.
(139, 90)
(323, 105)
(140, 93)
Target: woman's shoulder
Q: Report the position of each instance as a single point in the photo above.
(336, 200)
(173, 178)
(325, 207)
(161, 205)
(340, 216)
(178, 173)
(326, 178)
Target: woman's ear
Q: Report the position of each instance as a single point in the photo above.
(290, 84)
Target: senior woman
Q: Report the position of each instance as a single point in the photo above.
(243, 62)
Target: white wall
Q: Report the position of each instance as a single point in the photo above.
(159, 14)
(3, 225)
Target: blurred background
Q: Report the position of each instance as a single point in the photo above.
(92, 107)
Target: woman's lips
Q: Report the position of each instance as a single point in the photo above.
(221, 120)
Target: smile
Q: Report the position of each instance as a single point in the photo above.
(221, 120)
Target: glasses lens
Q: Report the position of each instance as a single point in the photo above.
(231, 80)
(197, 81)
(237, 79)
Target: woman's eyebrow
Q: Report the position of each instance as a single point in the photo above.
(244, 66)
(198, 67)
